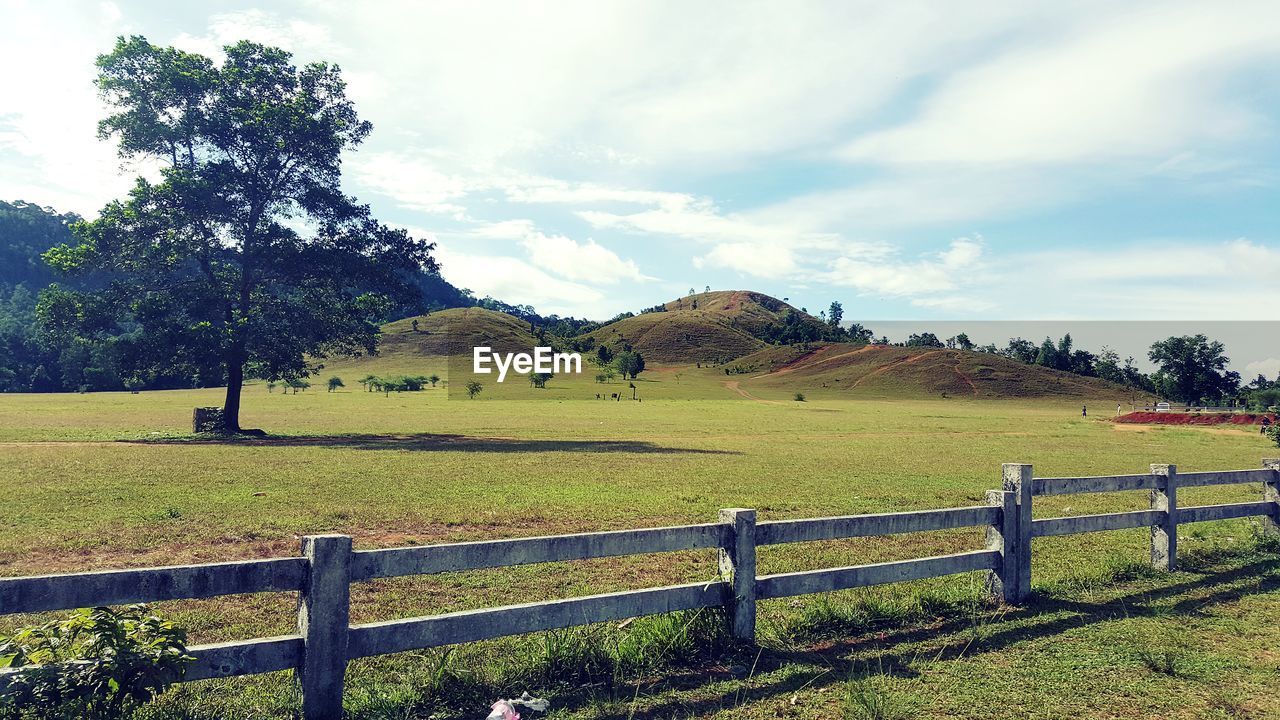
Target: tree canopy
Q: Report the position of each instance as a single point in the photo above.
(246, 248)
(1192, 369)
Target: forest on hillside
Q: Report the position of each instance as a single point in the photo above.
(117, 355)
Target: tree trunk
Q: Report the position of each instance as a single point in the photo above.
(235, 382)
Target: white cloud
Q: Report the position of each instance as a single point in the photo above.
(940, 273)
(583, 262)
(301, 37)
(515, 280)
(1145, 82)
(645, 83)
(49, 109)
(1270, 368)
(414, 183)
(1170, 280)
(762, 260)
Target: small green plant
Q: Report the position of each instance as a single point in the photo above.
(1160, 651)
(1273, 432)
(872, 697)
(95, 663)
(473, 389)
(1166, 659)
(799, 397)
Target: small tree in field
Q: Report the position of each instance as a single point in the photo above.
(335, 382)
(473, 389)
(433, 379)
(629, 363)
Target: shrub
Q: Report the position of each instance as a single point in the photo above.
(335, 383)
(799, 397)
(1273, 432)
(473, 389)
(95, 663)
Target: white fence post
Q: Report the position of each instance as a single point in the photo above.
(738, 567)
(1017, 479)
(1002, 582)
(324, 611)
(1164, 535)
(1271, 494)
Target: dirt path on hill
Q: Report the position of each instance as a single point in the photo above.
(967, 380)
(734, 386)
(897, 363)
(799, 363)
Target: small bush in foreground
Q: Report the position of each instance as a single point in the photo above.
(96, 663)
(872, 697)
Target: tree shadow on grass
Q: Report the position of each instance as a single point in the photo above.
(427, 442)
(953, 636)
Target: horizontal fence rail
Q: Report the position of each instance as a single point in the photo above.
(472, 625)
(118, 587)
(819, 581)
(1103, 484)
(851, 526)
(1095, 523)
(323, 574)
(431, 559)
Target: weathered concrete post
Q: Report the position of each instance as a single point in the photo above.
(1271, 494)
(324, 611)
(738, 567)
(1164, 535)
(1002, 582)
(1017, 479)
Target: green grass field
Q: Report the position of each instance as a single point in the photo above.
(114, 480)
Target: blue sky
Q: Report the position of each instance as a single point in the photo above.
(924, 161)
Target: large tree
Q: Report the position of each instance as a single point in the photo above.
(1193, 368)
(245, 248)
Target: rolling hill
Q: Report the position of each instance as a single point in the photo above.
(454, 332)
(889, 371)
(731, 331)
(705, 327)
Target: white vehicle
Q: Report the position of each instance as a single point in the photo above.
(1162, 407)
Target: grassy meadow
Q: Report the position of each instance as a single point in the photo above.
(115, 480)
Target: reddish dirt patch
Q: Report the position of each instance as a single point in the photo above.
(1185, 418)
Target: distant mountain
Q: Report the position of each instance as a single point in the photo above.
(26, 232)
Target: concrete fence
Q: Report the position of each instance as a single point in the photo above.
(326, 640)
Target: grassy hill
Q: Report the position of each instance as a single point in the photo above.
(441, 334)
(888, 371)
(705, 327)
(725, 328)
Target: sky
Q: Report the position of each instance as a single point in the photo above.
(1066, 160)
